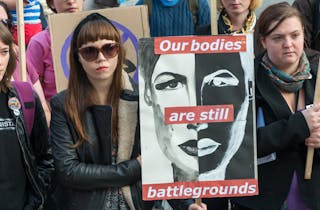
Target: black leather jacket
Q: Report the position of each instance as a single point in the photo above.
(36, 153)
(82, 179)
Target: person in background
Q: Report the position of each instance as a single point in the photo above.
(31, 13)
(43, 19)
(176, 17)
(100, 4)
(285, 85)
(39, 49)
(95, 129)
(32, 75)
(235, 17)
(311, 14)
(26, 163)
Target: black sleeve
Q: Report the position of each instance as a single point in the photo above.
(281, 134)
(79, 175)
(41, 145)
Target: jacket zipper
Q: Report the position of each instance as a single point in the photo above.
(28, 166)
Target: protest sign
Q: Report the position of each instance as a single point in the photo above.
(197, 117)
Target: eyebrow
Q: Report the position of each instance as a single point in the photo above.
(179, 76)
(277, 34)
(4, 48)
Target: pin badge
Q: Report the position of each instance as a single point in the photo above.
(14, 105)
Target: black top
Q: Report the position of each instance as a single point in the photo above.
(102, 120)
(12, 174)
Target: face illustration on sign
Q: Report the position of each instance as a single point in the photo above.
(173, 76)
(220, 83)
(197, 150)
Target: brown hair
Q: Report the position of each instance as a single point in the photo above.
(49, 4)
(80, 92)
(275, 13)
(10, 18)
(6, 38)
(254, 4)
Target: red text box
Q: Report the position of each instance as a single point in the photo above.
(199, 114)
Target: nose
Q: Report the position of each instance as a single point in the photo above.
(198, 127)
(101, 56)
(287, 42)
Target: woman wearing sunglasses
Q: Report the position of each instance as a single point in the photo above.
(94, 125)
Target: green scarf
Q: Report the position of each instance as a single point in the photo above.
(286, 82)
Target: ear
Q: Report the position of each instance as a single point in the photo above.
(263, 42)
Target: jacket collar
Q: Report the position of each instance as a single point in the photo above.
(272, 95)
(128, 119)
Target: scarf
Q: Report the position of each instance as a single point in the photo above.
(286, 82)
(225, 25)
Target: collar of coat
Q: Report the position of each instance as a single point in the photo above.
(127, 115)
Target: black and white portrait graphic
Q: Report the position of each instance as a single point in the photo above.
(165, 78)
(201, 151)
(224, 79)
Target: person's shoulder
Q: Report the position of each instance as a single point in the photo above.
(58, 99)
(130, 90)
(313, 57)
(42, 37)
(299, 4)
(40, 42)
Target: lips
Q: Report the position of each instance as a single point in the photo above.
(72, 9)
(207, 146)
(288, 53)
(102, 68)
(190, 147)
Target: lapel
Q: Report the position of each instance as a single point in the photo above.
(273, 97)
(127, 115)
(271, 94)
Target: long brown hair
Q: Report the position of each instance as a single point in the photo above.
(80, 92)
(6, 38)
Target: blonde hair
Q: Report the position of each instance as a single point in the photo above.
(254, 4)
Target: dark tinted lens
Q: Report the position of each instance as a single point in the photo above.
(89, 53)
(110, 50)
(7, 22)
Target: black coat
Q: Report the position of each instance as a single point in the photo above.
(283, 134)
(36, 153)
(82, 178)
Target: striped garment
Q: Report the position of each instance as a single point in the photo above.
(31, 13)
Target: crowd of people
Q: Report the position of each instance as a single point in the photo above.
(83, 151)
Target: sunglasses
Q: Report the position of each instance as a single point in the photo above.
(109, 50)
(7, 22)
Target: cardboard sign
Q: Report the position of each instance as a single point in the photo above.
(197, 117)
(132, 22)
